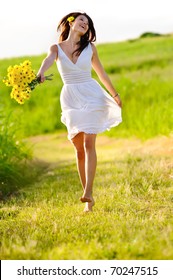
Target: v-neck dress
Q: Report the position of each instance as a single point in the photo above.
(86, 106)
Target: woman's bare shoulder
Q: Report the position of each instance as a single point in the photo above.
(53, 48)
(94, 49)
(93, 46)
(53, 51)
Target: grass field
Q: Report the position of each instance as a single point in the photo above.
(41, 216)
(132, 218)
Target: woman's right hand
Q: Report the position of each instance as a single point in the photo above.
(41, 77)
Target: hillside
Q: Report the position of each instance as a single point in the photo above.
(141, 71)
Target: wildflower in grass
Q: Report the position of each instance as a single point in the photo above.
(23, 80)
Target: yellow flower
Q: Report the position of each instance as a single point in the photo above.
(70, 19)
(26, 63)
(23, 80)
(7, 83)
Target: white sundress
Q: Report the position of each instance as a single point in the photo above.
(86, 106)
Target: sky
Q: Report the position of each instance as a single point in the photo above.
(29, 27)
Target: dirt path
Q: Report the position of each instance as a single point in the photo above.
(55, 150)
(50, 147)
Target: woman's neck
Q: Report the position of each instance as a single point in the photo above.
(73, 39)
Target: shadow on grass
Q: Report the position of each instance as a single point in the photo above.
(26, 174)
(15, 176)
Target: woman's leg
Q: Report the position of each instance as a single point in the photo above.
(90, 166)
(78, 142)
(86, 163)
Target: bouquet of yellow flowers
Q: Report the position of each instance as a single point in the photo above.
(23, 80)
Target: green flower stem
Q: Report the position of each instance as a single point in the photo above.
(36, 81)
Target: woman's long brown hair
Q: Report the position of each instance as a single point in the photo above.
(88, 37)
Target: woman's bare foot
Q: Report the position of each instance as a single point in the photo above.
(89, 206)
(85, 199)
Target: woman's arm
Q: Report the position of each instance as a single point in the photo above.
(47, 62)
(97, 66)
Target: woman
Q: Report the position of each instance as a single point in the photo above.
(87, 109)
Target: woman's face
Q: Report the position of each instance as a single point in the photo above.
(80, 24)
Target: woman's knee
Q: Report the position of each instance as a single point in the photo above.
(79, 146)
(89, 142)
(80, 153)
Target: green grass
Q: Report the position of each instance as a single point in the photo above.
(132, 218)
(141, 70)
(14, 154)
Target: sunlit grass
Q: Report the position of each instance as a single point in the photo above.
(132, 218)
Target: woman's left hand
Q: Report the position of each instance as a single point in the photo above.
(118, 100)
